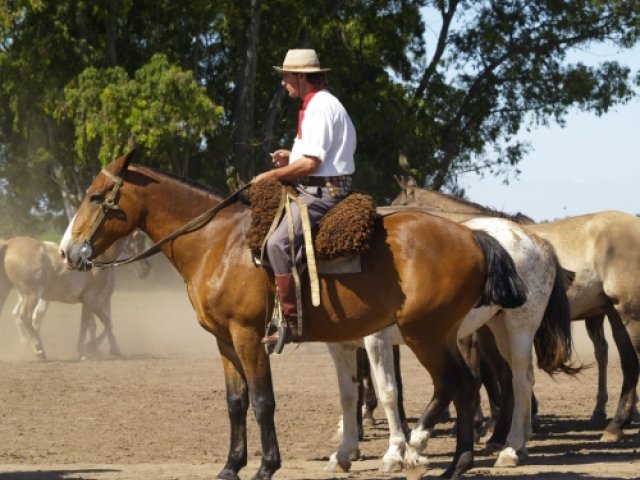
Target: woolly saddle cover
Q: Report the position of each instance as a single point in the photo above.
(344, 231)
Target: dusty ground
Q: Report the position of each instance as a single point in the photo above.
(159, 412)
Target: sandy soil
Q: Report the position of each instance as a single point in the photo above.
(159, 411)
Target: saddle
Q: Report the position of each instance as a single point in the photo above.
(343, 232)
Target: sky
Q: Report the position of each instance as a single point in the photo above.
(590, 165)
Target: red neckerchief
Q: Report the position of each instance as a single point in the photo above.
(306, 101)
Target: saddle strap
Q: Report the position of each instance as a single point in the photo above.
(309, 250)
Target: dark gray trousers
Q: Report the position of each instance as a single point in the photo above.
(318, 203)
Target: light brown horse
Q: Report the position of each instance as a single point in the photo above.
(603, 249)
(423, 271)
(34, 268)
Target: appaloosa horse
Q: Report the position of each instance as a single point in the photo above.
(35, 269)
(602, 249)
(422, 271)
(542, 320)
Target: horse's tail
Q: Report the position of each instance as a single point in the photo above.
(503, 286)
(552, 341)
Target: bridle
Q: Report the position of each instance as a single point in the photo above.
(109, 203)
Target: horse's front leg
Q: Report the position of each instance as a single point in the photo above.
(257, 373)
(25, 316)
(237, 406)
(344, 359)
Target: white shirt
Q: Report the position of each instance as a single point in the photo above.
(327, 134)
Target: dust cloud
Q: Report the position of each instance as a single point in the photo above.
(151, 317)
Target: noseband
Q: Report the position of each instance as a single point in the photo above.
(108, 204)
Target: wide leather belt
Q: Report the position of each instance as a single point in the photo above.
(320, 181)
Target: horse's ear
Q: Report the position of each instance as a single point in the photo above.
(125, 160)
(401, 182)
(411, 182)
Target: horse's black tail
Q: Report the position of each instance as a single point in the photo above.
(552, 341)
(503, 286)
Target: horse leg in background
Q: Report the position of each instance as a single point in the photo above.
(25, 314)
(455, 382)
(22, 332)
(469, 349)
(344, 359)
(367, 399)
(38, 313)
(595, 329)
(382, 360)
(400, 389)
(628, 341)
(87, 324)
(103, 312)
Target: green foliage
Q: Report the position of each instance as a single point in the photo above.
(434, 87)
(162, 109)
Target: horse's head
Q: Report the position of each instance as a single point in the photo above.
(107, 213)
(407, 195)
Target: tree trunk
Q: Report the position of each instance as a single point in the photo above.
(245, 98)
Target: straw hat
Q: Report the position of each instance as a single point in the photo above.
(301, 61)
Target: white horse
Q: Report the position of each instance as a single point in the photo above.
(545, 313)
(37, 271)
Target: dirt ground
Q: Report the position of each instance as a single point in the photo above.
(159, 412)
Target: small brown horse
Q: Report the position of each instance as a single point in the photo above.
(602, 249)
(423, 271)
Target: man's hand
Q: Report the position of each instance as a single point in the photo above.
(280, 158)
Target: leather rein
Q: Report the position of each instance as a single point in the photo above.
(110, 204)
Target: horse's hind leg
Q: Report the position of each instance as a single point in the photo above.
(595, 329)
(627, 340)
(28, 305)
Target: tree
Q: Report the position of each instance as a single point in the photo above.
(78, 78)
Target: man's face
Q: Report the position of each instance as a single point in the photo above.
(291, 82)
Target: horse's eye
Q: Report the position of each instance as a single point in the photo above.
(96, 198)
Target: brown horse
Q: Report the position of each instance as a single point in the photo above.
(422, 271)
(602, 249)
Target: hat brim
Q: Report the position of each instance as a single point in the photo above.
(284, 69)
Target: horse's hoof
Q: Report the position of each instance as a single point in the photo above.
(368, 422)
(508, 458)
(415, 460)
(336, 465)
(598, 416)
(355, 455)
(612, 435)
(491, 448)
(40, 354)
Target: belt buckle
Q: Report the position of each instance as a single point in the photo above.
(332, 189)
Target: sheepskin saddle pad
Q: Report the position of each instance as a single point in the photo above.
(344, 231)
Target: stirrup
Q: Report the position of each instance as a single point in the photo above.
(277, 323)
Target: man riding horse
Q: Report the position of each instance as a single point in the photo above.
(319, 166)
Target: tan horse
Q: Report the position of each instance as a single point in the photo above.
(37, 272)
(603, 249)
(422, 271)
